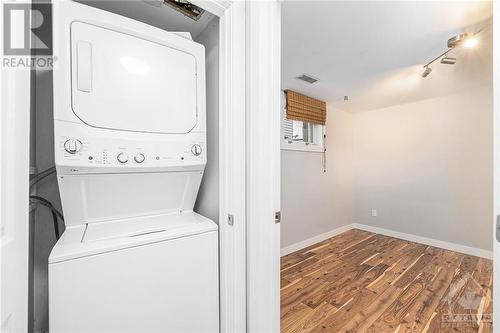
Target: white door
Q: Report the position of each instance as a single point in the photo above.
(14, 170)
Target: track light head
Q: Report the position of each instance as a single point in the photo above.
(457, 40)
(448, 60)
(427, 71)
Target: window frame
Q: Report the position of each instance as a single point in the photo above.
(287, 144)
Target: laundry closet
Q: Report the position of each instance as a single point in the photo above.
(183, 170)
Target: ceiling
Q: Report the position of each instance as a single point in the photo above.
(155, 13)
(374, 51)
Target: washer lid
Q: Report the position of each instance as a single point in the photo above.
(92, 239)
(140, 226)
(124, 82)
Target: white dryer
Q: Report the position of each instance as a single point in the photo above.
(130, 152)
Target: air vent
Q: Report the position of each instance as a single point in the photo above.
(307, 78)
(185, 7)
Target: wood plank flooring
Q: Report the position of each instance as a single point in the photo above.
(364, 282)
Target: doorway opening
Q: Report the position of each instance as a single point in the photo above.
(387, 221)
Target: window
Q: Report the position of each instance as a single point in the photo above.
(299, 135)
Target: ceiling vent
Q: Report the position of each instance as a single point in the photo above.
(307, 78)
(185, 7)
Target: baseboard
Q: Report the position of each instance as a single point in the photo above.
(391, 233)
(427, 241)
(316, 239)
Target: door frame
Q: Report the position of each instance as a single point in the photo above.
(232, 162)
(249, 144)
(263, 49)
(496, 164)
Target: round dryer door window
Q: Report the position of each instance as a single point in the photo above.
(129, 83)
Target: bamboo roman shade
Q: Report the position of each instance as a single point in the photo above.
(305, 108)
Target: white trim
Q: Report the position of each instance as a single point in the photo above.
(263, 22)
(391, 233)
(232, 186)
(427, 241)
(305, 148)
(216, 7)
(496, 164)
(316, 239)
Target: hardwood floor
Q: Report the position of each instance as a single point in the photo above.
(364, 282)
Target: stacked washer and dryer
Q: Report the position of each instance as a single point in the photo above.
(130, 152)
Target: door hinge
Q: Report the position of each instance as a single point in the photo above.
(277, 217)
(230, 219)
(497, 233)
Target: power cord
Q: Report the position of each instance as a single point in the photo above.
(55, 213)
(41, 175)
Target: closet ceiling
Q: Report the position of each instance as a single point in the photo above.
(155, 13)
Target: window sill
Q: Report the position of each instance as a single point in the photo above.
(298, 146)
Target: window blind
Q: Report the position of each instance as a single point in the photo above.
(287, 126)
(304, 108)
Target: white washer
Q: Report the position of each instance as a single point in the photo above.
(130, 151)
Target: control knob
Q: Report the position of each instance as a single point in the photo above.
(196, 149)
(73, 146)
(122, 158)
(139, 158)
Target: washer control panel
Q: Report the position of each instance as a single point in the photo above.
(78, 151)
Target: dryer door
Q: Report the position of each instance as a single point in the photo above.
(124, 82)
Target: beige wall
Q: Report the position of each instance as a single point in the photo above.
(425, 166)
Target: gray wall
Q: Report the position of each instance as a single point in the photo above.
(427, 168)
(207, 203)
(312, 201)
(41, 227)
(44, 238)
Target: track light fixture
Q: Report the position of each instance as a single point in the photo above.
(427, 71)
(465, 40)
